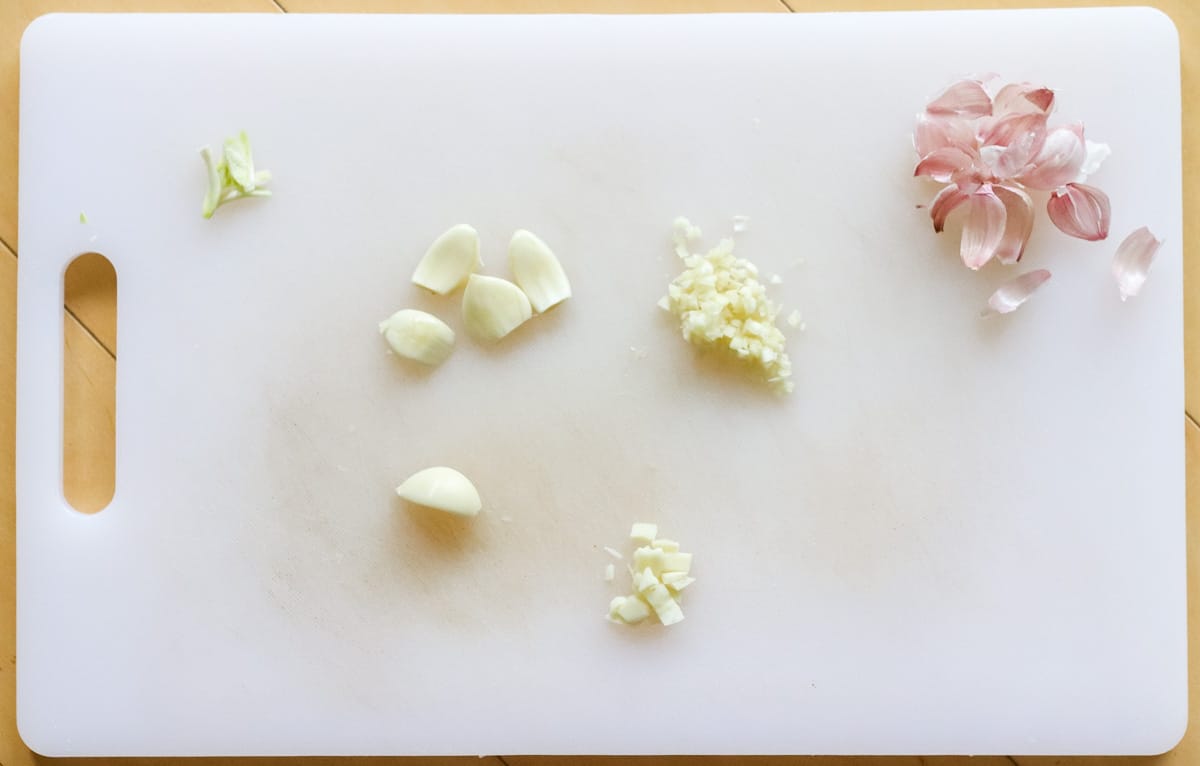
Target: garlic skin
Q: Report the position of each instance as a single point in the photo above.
(1132, 262)
(537, 271)
(493, 307)
(442, 488)
(418, 336)
(449, 260)
(1012, 293)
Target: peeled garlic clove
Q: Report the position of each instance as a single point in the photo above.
(493, 307)
(418, 336)
(442, 488)
(537, 271)
(449, 260)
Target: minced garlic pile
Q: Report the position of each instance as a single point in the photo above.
(720, 303)
(659, 572)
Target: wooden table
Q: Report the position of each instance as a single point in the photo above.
(91, 332)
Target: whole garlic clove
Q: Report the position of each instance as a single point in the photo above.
(442, 488)
(537, 271)
(418, 336)
(449, 260)
(493, 307)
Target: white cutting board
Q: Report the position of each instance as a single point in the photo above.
(955, 536)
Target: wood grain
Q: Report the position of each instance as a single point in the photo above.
(533, 6)
(92, 358)
(89, 419)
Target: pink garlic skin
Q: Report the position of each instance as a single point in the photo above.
(989, 151)
(1132, 261)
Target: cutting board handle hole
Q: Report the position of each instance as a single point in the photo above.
(89, 383)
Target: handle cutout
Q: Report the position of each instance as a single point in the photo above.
(89, 383)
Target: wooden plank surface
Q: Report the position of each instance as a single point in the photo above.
(92, 337)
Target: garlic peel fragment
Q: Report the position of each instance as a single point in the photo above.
(442, 488)
(493, 307)
(448, 262)
(1131, 264)
(537, 271)
(418, 336)
(1011, 294)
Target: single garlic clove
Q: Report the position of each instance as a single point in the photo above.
(442, 488)
(449, 260)
(537, 271)
(493, 307)
(418, 336)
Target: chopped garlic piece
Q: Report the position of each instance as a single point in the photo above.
(720, 302)
(616, 554)
(448, 262)
(493, 307)
(644, 580)
(442, 488)
(668, 546)
(739, 223)
(677, 562)
(634, 610)
(794, 319)
(677, 581)
(610, 572)
(418, 336)
(664, 604)
(775, 279)
(537, 271)
(643, 533)
(648, 558)
(628, 609)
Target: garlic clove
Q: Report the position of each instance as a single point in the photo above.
(418, 336)
(442, 488)
(449, 260)
(493, 307)
(537, 271)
